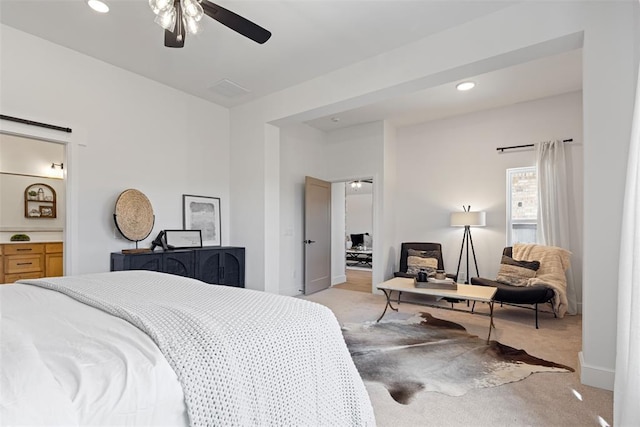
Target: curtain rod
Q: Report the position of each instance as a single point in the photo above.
(32, 123)
(501, 149)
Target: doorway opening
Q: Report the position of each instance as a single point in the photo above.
(33, 203)
(358, 259)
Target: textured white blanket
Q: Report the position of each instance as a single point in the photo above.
(243, 357)
(554, 262)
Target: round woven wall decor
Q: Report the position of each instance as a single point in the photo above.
(134, 215)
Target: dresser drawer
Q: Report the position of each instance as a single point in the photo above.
(10, 278)
(53, 248)
(24, 249)
(23, 264)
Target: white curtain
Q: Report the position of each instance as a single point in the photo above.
(626, 396)
(553, 208)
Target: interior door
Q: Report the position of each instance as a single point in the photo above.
(317, 235)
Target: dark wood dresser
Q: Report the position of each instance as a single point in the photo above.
(219, 265)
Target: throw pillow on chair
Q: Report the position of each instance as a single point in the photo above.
(516, 273)
(417, 263)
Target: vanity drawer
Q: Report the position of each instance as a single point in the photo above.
(24, 249)
(53, 247)
(10, 278)
(23, 264)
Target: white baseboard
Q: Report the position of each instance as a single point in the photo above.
(338, 279)
(596, 376)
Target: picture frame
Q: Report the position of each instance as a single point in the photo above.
(46, 211)
(203, 213)
(183, 239)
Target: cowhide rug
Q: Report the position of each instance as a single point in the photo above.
(426, 353)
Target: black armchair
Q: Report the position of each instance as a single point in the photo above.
(519, 295)
(418, 246)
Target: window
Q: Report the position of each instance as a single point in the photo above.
(522, 205)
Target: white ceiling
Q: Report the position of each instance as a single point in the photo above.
(549, 76)
(310, 38)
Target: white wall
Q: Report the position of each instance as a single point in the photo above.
(359, 213)
(445, 164)
(608, 81)
(12, 217)
(29, 156)
(135, 133)
(520, 32)
(302, 153)
(357, 152)
(337, 156)
(338, 233)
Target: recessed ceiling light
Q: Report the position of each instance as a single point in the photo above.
(465, 86)
(98, 6)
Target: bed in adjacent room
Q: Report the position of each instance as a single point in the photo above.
(147, 348)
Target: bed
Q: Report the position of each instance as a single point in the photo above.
(147, 348)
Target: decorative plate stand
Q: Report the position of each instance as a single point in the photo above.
(40, 201)
(134, 216)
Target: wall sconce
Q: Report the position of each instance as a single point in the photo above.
(356, 184)
(57, 165)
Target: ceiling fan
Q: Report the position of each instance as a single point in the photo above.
(181, 17)
(358, 183)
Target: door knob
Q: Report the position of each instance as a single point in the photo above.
(309, 241)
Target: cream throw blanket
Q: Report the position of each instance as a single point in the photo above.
(554, 262)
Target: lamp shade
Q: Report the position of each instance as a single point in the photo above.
(475, 219)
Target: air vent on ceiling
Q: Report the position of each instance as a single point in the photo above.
(226, 87)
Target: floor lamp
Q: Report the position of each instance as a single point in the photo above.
(468, 219)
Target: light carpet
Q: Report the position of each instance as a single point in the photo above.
(545, 399)
(431, 354)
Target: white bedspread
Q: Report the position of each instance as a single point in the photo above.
(67, 364)
(242, 357)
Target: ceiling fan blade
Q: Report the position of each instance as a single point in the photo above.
(176, 37)
(236, 22)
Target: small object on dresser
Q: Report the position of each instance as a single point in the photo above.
(20, 238)
(422, 276)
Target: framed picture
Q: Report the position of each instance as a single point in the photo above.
(202, 213)
(181, 239)
(46, 211)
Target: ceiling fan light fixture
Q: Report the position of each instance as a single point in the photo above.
(190, 25)
(160, 6)
(180, 17)
(192, 9)
(98, 6)
(167, 19)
